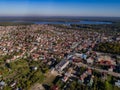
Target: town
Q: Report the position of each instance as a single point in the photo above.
(59, 57)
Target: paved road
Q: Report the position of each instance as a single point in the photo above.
(100, 70)
(94, 68)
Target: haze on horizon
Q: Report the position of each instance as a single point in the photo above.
(109, 8)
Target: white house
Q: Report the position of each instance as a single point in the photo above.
(117, 83)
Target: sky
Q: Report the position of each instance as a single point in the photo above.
(110, 8)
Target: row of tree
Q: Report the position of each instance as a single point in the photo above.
(108, 47)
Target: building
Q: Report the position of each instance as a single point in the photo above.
(62, 65)
(90, 61)
(117, 83)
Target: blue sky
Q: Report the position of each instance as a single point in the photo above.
(60, 8)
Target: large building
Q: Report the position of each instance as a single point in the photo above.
(62, 65)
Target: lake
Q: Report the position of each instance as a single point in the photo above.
(57, 22)
(81, 22)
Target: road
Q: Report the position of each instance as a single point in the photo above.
(99, 70)
(94, 68)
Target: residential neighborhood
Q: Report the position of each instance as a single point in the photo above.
(32, 53)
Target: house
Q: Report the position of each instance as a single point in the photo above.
(49, 63)
(91, 82)
(69, 57)
(35, 56)
(13, 84)
(103, 57)
(2, 84)
(117, 83)
(118, 38)
(78, 55)
(55, 87)
(90, 60)
(77, 60)
(111, 69)
(18, 89)
(52, 70)
(89, 72)
(84, 56)
(106, 60)
(41, 57)
(35, 68)
(65, 78)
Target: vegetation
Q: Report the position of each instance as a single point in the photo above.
(108, 47)
(23, 73)
(14, 23)
(99, 83)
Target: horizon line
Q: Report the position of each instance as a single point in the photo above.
(58, 16)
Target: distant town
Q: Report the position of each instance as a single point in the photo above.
(60, 57)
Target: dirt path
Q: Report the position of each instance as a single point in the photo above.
(37, 86)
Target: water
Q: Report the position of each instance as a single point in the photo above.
(81, 22)
(65, 23)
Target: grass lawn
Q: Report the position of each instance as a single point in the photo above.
(49, 78)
